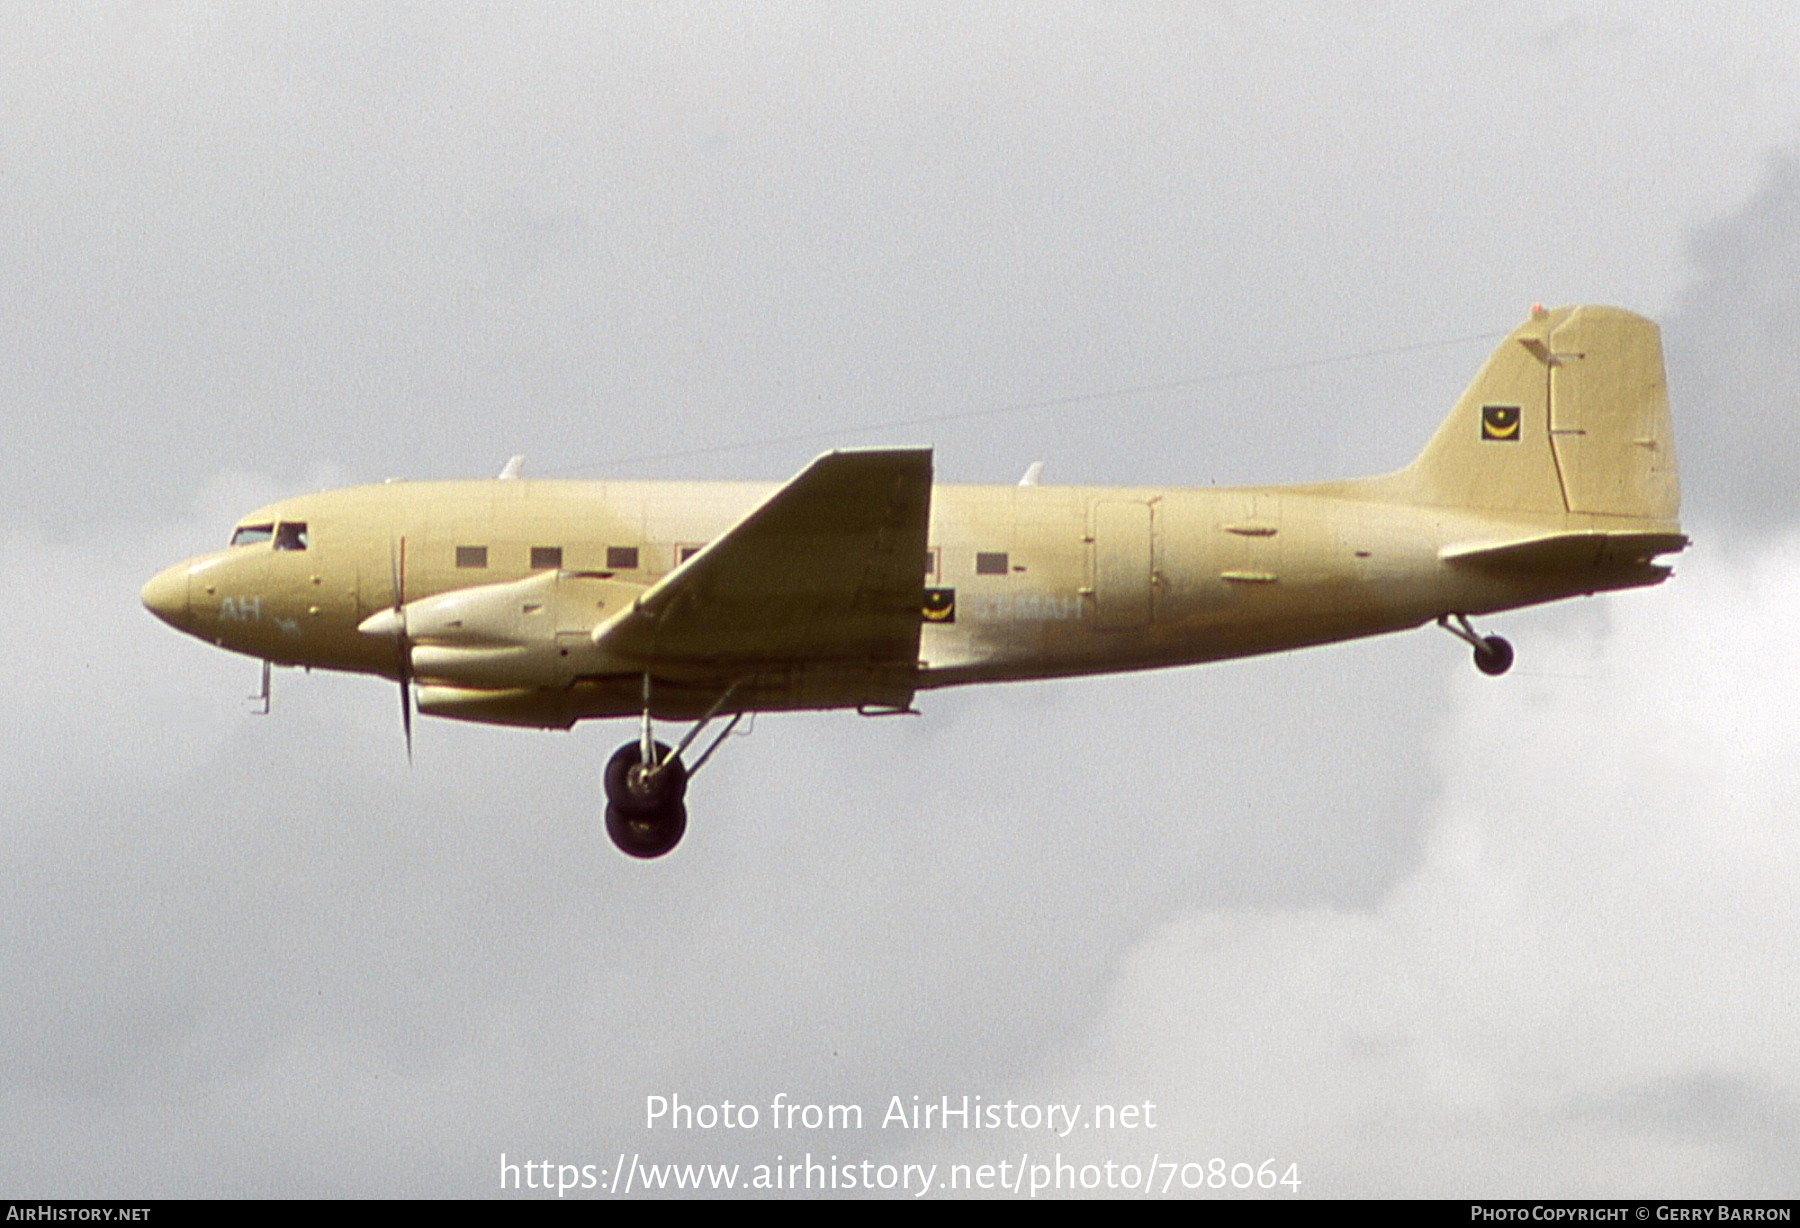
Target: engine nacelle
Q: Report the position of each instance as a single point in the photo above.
(528, 633)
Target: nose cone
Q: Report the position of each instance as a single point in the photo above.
(166, 596)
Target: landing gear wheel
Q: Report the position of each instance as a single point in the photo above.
(1494, 656)
(647, 835)
(636, 791)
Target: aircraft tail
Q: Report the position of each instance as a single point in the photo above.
(1570, 417)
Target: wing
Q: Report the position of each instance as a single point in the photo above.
(828, 574)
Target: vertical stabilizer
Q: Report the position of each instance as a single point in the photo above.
(1569, 416)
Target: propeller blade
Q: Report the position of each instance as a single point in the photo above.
(397, 557)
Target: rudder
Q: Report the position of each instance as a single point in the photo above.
(1609, 415)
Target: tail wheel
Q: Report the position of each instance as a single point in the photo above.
(1493, 656)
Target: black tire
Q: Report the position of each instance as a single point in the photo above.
(1494, 657)
(645, 836)
(670, 783)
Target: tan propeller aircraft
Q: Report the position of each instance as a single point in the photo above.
(859, 583)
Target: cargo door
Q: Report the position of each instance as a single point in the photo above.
(1123, 564)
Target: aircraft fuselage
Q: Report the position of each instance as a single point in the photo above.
(1022, 582)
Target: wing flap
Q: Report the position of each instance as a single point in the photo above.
(827, 572)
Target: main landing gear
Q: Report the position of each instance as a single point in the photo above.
(645, 811)
(646, 784)
(1493, 655)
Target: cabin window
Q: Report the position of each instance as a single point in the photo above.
(471, 556)
(931, 563)
(252, 534)
(621, 558)
(990, 563)
(290, 535)
(546, 558)
(684, 553)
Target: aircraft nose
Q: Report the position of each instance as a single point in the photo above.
(166, 596)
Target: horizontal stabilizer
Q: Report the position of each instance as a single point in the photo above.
(1565, 551)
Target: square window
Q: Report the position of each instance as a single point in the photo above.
(931, 563)
(546, 558)
(471, 556)
(684, 553)
(990, 563)
(621, 558)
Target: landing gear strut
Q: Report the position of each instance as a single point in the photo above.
(1493, 655)
(646, 784)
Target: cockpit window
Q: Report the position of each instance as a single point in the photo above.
(252, 534)
(290, 535)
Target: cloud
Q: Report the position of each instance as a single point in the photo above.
(1588, 985)
(1735, 341)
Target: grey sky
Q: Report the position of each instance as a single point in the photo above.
(1734, 342)
(250, 251)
